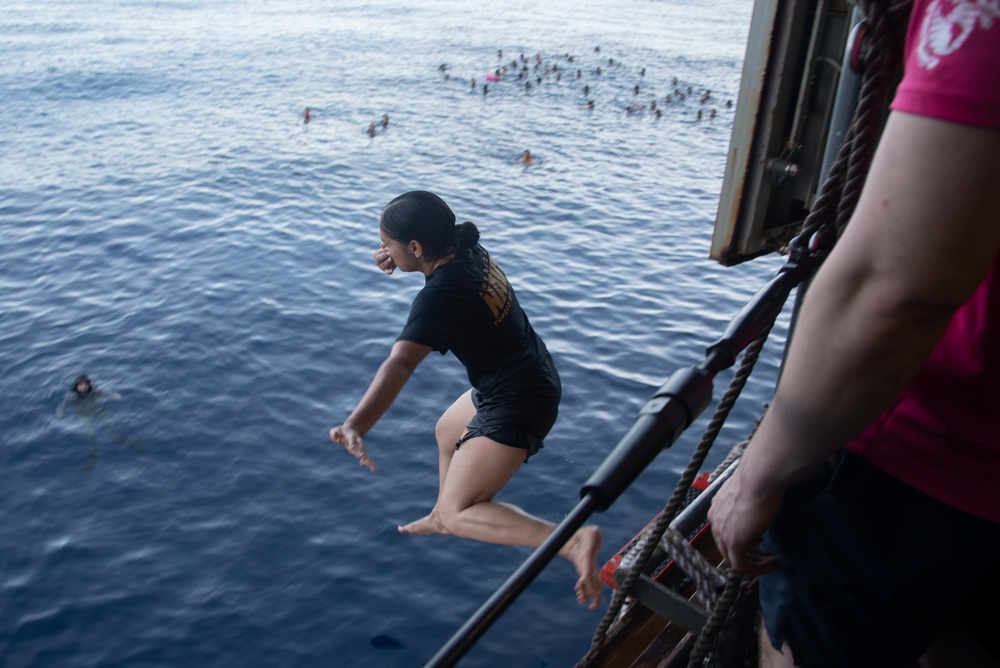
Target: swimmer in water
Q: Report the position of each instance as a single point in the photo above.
(306, 115)
(385, 120)
(526, 158)
(87, 403)
(371, 129)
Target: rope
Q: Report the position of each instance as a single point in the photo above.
(834, 205)
(716, 622)
(839, 194)
(655, 532)
(707, 579)
(734, 453)
(888, 21)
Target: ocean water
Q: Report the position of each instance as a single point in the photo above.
(171, 226)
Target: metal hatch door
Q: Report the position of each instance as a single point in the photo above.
(786, 100)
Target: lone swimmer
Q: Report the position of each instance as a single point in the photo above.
(87, 403)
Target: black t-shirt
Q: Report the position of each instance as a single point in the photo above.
(468, 306)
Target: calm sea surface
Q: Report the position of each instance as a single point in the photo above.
(171, 226)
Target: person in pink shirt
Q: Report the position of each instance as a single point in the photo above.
(874, 478)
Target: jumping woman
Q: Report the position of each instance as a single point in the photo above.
(467, 306)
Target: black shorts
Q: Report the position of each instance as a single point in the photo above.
(520, 416)
(872, 569)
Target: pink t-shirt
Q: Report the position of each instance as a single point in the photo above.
(952, 66)
(942, 434)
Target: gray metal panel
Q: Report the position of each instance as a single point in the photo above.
(790, 79)
(687, 614)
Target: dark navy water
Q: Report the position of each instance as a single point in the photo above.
(172, 227)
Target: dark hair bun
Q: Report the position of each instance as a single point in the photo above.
(466, 235)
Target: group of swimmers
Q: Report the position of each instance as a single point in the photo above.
(383, 124)
(373, 127)
(678, 95)
(529, 73)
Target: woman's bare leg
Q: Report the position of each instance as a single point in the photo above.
(448, 430)
(465, 508)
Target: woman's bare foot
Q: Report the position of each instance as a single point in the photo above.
(581, 551)
(425, 526)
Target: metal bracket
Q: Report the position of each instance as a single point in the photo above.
(688, 615)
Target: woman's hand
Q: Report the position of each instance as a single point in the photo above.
(383, 260)
(349, 437)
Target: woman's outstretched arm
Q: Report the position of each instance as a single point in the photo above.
(385, 386)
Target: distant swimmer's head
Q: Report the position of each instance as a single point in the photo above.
(424, 230)
(82, 385)
(526, 157)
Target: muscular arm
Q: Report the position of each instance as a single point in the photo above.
(383, 390)
(926, 231)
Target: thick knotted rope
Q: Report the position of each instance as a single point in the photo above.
(842, 187)
(720, 614)
(707, 579)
